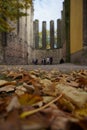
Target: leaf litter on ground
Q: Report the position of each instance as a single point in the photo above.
(42, 100)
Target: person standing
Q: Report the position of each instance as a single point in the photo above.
(51, 60)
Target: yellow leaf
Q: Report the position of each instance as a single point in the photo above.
(81, 113)
(29, 99)
(24, 114)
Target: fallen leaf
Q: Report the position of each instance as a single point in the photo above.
(21, 88)
(35, 122)
(76, 96)
(14, 103)
(12, 121)
(30, 88)
(7, 88)
(65, 105)
(29, 99)
(82, 82)
(3, 82)
(23, 115)
(46, 82)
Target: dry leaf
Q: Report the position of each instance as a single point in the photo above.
(58, 118)
(7, 88)
(35, 122)
(14, 74)
(77, 97)
(82, 82)
(21, 88)
(23, 115)
(47, 99)
(29, 99)
(28, 87)
(41, 88)
(81, 113)
(12, 122)
(66, 105)
(19, 92)
(46, 82)
(14, 103)
(3, 82)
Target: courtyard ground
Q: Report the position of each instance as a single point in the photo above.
(61, 67)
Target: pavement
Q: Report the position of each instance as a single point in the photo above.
(61, 67)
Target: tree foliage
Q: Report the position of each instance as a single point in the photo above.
(11, 10)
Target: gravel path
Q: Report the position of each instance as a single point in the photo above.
(62, 67)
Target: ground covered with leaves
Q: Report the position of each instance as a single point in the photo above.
(43, 100)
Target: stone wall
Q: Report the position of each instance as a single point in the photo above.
(76, 57)
(56, 54)
(80, 57)
(1, 50)
(16, 50)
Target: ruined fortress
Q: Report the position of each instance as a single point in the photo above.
(22, 45)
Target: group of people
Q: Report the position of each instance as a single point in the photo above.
(44, 61)
(48, 60)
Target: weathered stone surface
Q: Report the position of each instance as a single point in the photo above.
(58, 33)
(52, 34)
(15, 51)
(18, 47)
(44, 35)
(56, 54)
(36, 34)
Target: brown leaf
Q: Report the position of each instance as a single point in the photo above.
(20, 90)
(57, 117)
(82, 82)
(14, 74)
(43, 87)
(3, 82)
(35, 122)
(83, 123)
(76, 96)
(73, 125)
(2, 106)
(12, 122)
(7, 88)
(14, 103)
(66, 105)
(48, 87)
(25, 78)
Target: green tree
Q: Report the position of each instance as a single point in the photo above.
(11, 10)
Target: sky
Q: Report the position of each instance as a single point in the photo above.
(46, 10)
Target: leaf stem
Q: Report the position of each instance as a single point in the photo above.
(24, 114)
